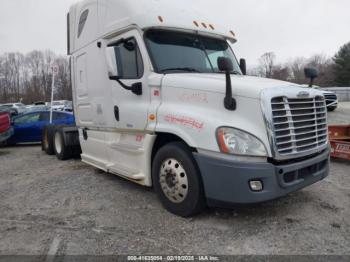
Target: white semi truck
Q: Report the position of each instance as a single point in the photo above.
(161, 100)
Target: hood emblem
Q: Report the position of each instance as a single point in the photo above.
(303, 94)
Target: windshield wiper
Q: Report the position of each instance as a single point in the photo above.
(185, 69)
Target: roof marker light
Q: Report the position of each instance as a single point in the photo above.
(211, 26)
(160, 19)
(195, 23)
(232, 33)
(204, 25)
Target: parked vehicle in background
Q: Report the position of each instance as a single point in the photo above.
(40, 103)
(21, 108)
(63, 105)
(36, 108)
(28, 127)
(330, 97)
(10, 110)
(5, 126)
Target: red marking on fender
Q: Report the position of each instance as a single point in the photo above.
(139, 138)
(184, 121)
(156, 93)
(195, 97)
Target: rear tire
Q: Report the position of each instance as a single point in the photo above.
(47, 139)
(177, 180)
(62, 151)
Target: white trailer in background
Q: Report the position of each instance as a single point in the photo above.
(160, 99)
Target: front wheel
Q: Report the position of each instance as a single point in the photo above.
(177, 180)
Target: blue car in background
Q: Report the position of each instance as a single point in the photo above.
(28, 127)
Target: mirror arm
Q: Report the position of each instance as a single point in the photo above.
(116, 78)
(311, 82)
(229, 102)
(135, 88)
(116, 43)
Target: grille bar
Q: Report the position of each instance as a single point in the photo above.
(304, 133)
(299, 124)
(302, 121)
(296, 128)
(305, 108)
(307, 145)
(296, 115)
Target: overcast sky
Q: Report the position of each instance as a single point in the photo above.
(289, 28)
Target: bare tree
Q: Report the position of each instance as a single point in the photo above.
(324, 66)
(281, 72)
(296, 67)
(28, 77)
(266, 64)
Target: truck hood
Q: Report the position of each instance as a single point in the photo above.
(245, 86)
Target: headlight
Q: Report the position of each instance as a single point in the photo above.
(237, 142)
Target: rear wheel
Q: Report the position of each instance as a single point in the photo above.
(62, 151)
(47, 140)
(177, 180)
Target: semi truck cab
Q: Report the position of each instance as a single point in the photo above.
(161, 100)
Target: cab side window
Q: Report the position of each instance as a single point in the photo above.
(129, 60)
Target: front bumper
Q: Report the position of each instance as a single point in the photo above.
(6, 135)
(227, 182)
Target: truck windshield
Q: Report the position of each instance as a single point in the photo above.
(174, 52)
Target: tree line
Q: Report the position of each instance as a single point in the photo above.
(333, 71)
(27, 77)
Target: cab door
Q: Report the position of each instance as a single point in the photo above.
(128, 71)
(130, 108)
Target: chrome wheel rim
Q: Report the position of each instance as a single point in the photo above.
(173, 180)
(58, 143)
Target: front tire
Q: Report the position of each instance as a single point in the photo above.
(177, 180)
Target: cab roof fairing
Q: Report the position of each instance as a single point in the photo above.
(108, 16)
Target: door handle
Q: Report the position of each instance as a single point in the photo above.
(116, 113)
(85, 134)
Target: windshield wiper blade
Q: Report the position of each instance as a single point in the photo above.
(186, 69)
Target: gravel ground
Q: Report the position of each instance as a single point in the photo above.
(68, 207)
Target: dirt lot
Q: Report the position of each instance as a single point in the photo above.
(47, 206)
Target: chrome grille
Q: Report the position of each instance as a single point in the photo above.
(299, 124)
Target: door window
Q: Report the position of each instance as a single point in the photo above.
(45, 117)
(129, 59)
(59, 116)
(31, 118)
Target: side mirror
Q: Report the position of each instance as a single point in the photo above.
(243, 66)
(311, 73)
(225, 64)
(113, 72)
